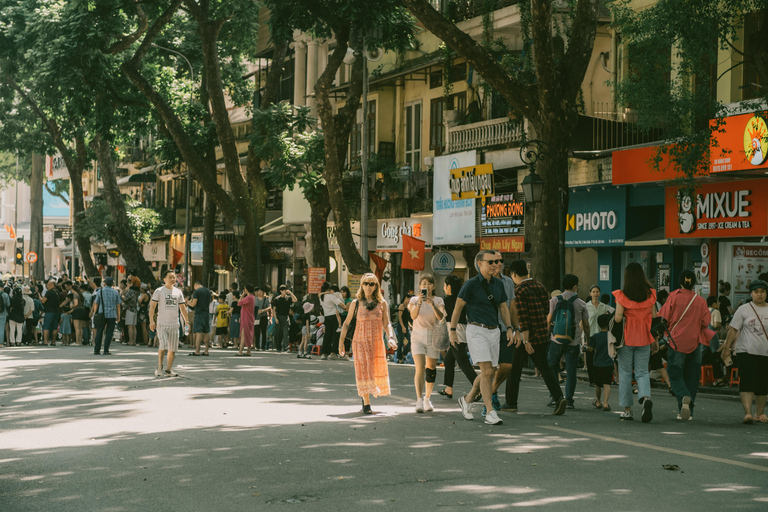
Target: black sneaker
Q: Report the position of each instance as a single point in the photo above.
(560, 409)
(647, 411)
(552, 402)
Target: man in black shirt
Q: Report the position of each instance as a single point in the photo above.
(282, 307)
(52, 313)
(201, 327)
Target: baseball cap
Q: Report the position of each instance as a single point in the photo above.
(758, 283)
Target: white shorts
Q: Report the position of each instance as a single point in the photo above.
(483, 344)
(169, 337)
(421, 343)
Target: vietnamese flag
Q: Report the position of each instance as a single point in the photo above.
(381, 264)
(413, 253)
(177, 257)
(220, 252)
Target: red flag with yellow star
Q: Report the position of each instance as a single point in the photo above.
(220, 249)
(413, 253)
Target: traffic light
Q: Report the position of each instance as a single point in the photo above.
(19, 256)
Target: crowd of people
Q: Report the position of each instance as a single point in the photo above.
(494, 322)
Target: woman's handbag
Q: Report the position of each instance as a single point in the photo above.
(615, 336)
(352, 325)
(439, 337)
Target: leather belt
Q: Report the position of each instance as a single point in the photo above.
(489, 327)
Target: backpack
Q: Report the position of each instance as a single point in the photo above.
(564, 319)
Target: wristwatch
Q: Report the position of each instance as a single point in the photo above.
(453, 329)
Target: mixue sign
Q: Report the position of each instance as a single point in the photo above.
(717, 210)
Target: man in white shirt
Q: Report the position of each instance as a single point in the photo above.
(168, 301)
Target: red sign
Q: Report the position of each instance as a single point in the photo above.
(503, 244)
(315, 279)
(636, 166)
(743, 145)
(717, 210)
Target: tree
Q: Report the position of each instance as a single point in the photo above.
(543, 85)
(99, 224)
(225, 33)
(673, 49)
(387, 26)
(294, 156)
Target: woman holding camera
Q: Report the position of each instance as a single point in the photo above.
(688, 317)
(637, 302)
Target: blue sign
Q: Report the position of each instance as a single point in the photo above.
(596, 218)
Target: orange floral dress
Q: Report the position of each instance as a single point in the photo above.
(370, 355)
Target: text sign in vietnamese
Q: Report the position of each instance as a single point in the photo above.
(503, 244)
(389, 233)
(717, 210)
(596, 218)
(315, 279)
(503, 215)
(472, 182)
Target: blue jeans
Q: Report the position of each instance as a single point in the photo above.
(637, 358)
(3, 319)
(556, 351)
(684, 374)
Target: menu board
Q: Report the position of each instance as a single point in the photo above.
(503, 215)
(748, 262)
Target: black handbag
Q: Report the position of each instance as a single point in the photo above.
(352, 324)
(98, 318)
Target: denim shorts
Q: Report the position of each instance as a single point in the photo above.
(51, 321)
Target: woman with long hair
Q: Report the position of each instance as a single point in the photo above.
(331, 304)
(426, 311)
(688, 318)
(371, 314)
(247, 311)
(595, 308)
(459, 352)
(637, 303)
(79, 314)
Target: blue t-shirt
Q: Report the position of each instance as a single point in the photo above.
(479, 308)
(599, 342)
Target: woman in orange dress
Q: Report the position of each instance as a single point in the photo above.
(371, 313)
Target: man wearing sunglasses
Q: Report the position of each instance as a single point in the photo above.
(485, 298)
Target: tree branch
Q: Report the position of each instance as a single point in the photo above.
(579, 53)
(124, 43)
(56, 194)
(153, 31)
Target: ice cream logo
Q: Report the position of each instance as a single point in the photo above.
(755, 143)
(685, 216)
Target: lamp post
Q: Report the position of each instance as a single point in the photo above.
(533, 189)
(187, 226)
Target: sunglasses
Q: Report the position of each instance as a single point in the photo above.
(493, 262)
(369, 284)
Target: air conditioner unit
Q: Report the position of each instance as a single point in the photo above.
(427, 161)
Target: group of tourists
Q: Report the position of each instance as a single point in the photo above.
(494, 322)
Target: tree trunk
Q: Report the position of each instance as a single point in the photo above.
(335, 138)
(36, 245)
(321, 207)
(130, 249)
(209, 231)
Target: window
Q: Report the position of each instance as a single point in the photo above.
(751, 87)
(413, 135)
(356, 138)
(436, 134)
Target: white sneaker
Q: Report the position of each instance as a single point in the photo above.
(466, 409)
(159, 371)
(428, 405)
(419, 405)
(685, 410)
(690, 418)
(491, 418)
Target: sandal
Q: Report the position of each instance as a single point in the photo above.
(442, 392)
(606, 407)
(719, 384)
(762, 418)
(748, 420)
(596, 404)
(194, 354)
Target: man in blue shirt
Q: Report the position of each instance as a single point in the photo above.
(485, 299)
(107, 301)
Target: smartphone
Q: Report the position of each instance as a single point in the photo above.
(424, 292)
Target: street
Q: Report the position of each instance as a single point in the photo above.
(98, 433)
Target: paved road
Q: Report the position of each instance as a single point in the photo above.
(85, 433)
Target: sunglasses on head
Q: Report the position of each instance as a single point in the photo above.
(493, 262)
(369, 283)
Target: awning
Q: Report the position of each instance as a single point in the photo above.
(652, 237)
(146, 175)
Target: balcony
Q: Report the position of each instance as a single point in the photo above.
(485, 134)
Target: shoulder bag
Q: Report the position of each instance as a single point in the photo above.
(352, 324)
(98, 318)
(671, 339)
(758, 319)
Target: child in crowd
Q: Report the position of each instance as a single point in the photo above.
(65, 327)
(603, 364)
(222, 321)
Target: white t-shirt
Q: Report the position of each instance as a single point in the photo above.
(329, 303)
(752, 339)
(168, 302)
(427, 318)
(716, 317)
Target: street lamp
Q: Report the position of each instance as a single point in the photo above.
(238, 227)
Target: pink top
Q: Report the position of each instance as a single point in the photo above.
(247, 312)
(637, 332)
(691, 329)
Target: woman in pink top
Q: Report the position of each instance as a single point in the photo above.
(637, 303)
(247, 304)
(688, 317)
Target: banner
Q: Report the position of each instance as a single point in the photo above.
(453, 222)
(413, 253)
(315, 279)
